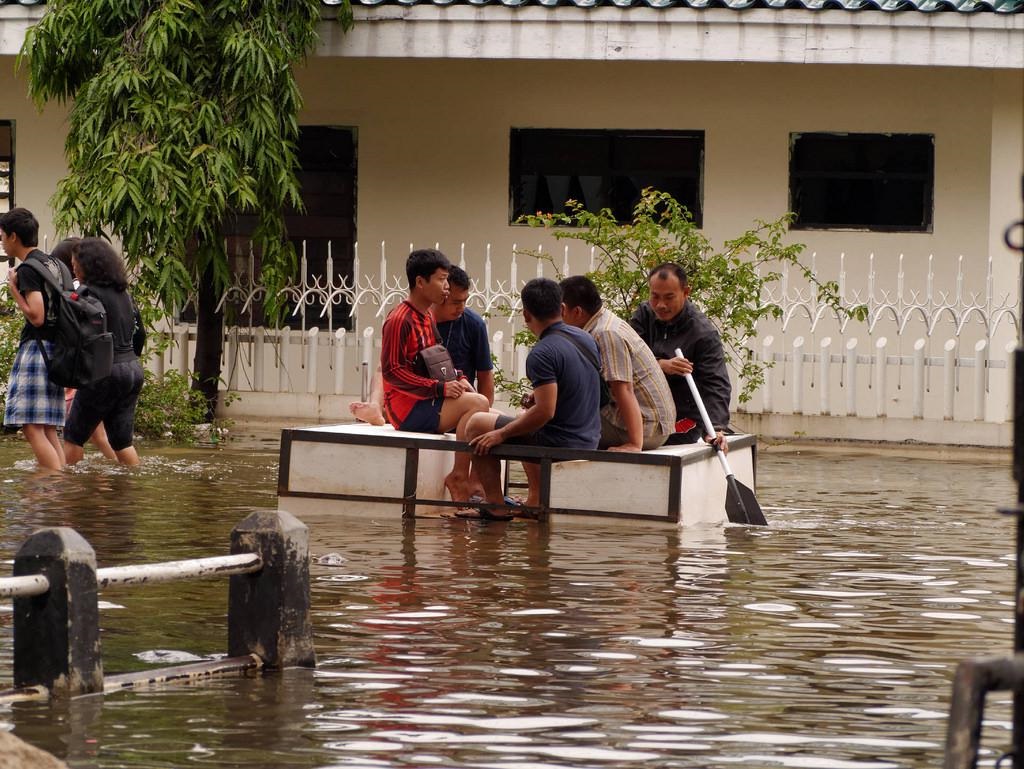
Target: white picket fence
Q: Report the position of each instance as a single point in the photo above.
(937, 351)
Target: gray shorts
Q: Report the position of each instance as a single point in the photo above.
(612, 435)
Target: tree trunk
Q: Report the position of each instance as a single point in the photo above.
(209, 343)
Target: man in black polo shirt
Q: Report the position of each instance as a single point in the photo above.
(564, 409)
(669, 321)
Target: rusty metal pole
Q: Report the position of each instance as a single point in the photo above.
(1017, 244)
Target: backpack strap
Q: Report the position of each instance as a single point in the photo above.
(66, 279)
(586, 353)
(65, 274)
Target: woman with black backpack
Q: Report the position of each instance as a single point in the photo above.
(110, 401)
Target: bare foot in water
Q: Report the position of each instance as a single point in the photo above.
(457, 488)
(367, 412)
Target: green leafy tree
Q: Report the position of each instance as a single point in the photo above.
(183, 115)
(728, 284)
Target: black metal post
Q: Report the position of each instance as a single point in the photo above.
(268, 612)
(1018, 474)
(57, 634)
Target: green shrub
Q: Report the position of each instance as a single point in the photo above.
(728, 282)
(169, 409)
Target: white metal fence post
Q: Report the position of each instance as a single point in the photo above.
(339, 361)
(949, 377)
(181, 337)
(257, 359)
(158, 360)
(824, 385)
(980, 378)
(797, 370)
(497, 349)
(233, 358)
(850, 362)
(284, 339)
(919, 364)
(766, 388)
(880, 376)
(367, 365)
(312, 350)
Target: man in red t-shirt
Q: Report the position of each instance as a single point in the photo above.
(413, 401)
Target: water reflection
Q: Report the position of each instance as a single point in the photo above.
(827, 640)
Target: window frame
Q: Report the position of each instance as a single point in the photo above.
(10, 167)
(609, 169)
(926, 177)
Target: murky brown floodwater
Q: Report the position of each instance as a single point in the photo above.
(827, 640)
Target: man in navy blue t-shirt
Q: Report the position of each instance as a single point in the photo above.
(564, 409)
(462, 332)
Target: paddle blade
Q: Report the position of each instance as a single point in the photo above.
(741, 504)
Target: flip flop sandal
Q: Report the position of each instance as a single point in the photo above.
(469, 514)
(496, 515)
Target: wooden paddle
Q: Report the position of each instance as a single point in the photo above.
(740, 503)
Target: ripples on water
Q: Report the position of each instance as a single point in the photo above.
(827, 640)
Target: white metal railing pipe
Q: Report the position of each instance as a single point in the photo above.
(949, 378)
(23, 587)
(851, 377)
(980, 378)
(312, 348)
(766, 389)
(918, 395)
(798, 375)
(171, 571)
(881, 365)
(824, 364)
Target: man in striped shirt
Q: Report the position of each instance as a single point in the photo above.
(412, 400)
(641, 415)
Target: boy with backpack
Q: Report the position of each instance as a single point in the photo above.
(34, 403)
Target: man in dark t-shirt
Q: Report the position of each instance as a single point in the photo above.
(564, 409)
(34, 403)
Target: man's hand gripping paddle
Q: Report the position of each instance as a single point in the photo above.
(740, 503)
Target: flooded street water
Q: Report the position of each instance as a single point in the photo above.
(827, 640)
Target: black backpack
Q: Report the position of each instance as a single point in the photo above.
(83, 349)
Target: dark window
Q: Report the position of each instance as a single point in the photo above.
(327, 177)
(603, 169)
(862, 181)
(6, 165)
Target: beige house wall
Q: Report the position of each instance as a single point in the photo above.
(38, 146)
(433, 142)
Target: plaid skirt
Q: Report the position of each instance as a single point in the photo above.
(32, 399)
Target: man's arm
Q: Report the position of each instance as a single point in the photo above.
(30, 303)
(712, 378)
(539, 414)
(397, 370)
(629, 409)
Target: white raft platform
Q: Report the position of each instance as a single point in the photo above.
(356, 470)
